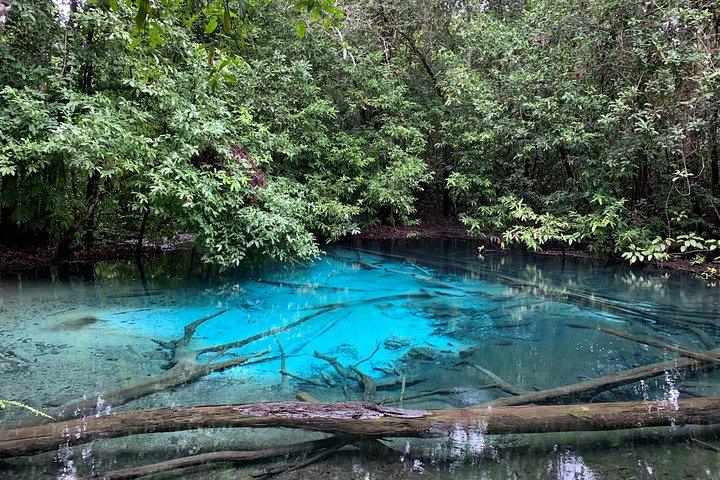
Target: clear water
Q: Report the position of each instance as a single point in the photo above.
(416, 309)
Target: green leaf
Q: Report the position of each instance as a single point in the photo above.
(301, 28)
(211, 25)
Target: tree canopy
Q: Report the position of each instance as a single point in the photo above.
(267, 127)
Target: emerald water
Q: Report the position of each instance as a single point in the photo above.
(421, 311)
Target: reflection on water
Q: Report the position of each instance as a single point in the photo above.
(572, 467)
(412, 316)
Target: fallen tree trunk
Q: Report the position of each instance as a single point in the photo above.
(589, 388)
(184, 368)
(364, 420)
(178, 375)
(650, 342)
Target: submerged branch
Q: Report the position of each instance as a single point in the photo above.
(212, 458)
(267, 333)
(501, 383)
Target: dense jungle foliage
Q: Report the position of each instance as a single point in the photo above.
(267, 127)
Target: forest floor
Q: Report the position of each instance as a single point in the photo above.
(19, 258)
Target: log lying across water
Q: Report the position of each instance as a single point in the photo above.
(365, 420)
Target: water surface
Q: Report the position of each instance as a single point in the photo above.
(420, 311)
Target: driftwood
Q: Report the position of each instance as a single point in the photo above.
(303, 286)
(532, 442)
(439, 391)
(280, 469)
(687, 323)
(184, 369)
(364, 301)
(424, 278)
(705, 445)
(363, 420)
(325, 447)
(368, 383)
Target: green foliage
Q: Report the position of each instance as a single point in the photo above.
(239, 145)
(683, 245)
(593, 123)
(265, 127)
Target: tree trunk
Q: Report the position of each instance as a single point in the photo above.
(141, 234)
(364, 420)
(714, 156)
(92, 194)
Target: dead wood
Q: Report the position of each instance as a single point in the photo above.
(651, 342)
(589, 388)
(365, 420)
(184, 368)
(501, 383)
(439, 391)
(211, 459)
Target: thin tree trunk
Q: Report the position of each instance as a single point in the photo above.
(92, 194)
(714, 156)
(141, 234)
(589, 388)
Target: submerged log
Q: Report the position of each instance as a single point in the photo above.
(502, 384)
(363, 420)
(185, 367)
(589, 388)
(559, 294)
(178, 375)
(211, 459)
(651, 342)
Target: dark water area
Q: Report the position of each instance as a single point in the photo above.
(421, 310)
